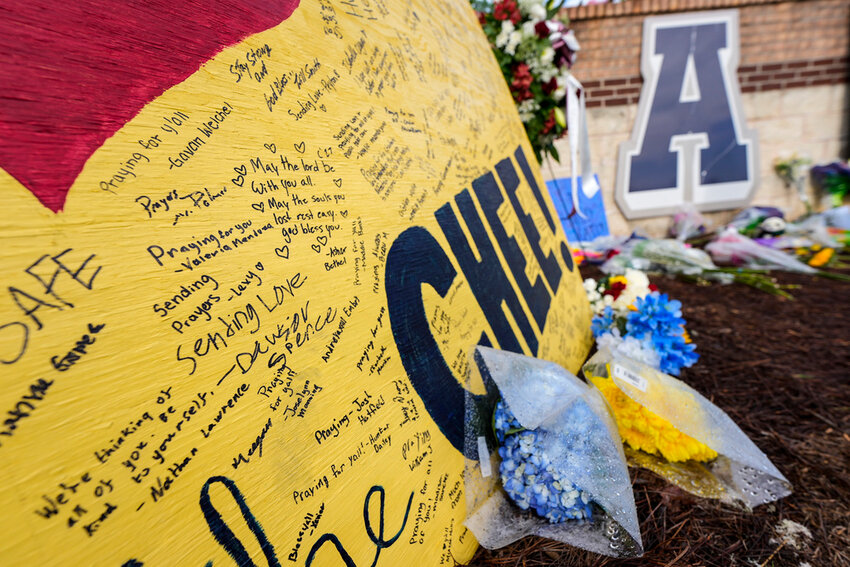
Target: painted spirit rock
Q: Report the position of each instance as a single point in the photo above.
(246, 252)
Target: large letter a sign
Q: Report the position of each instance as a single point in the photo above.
(690, 143)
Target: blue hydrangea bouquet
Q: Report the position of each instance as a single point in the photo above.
(530, 478)
(544, 458)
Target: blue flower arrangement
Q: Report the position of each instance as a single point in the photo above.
(528, 476)
(656, 322)
(602, 323)
(656, 314)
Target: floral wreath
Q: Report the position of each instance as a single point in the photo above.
(535, 50)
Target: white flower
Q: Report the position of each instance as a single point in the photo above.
(629, 347)
(610, 340)
(537, 13)
(637, 286)
(547, 73)
(514, 39)
(505, 34)
(561, 91)
(542, 66)
(526, 6)
(527, 108)
(528, 29)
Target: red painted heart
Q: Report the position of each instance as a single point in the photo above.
(73, 73)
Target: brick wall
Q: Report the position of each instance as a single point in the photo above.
(793, 73)
(783, 44)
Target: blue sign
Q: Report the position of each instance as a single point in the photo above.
(587, 220)
(690, 143)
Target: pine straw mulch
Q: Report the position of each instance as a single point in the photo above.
(781, 370)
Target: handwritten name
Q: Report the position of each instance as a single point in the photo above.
(256, 446)
(231, 403)
(80, 348)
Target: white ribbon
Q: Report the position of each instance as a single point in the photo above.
(579, 143)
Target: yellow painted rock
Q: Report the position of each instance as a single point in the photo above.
(238, 334)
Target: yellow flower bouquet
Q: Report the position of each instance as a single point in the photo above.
(669, 428)
(646, 431)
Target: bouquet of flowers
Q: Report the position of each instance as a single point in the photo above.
(535, 50)
(674, 431)
(634, 319)
(545, 459)
(618, 291)
(732, 247)
(688, 222)
(818, 256)
(834, 180)
(661, 255)
(686, 262)
(792, 170)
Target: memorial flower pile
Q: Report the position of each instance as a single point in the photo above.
(535, 50)
(633, 319)
(530, 478)
(686, 262)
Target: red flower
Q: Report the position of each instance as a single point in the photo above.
(541, 29)
(550, 86)
(482, 18)
(653, 287)
(550, 123)
(615, 290)
(521, 84)
(522, 76)
(507, 10)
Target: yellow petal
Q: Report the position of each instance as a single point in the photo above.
(647, 431)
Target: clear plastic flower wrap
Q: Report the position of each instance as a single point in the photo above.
(672, 430)
(666, 254)
(731, 247)
(544, 458)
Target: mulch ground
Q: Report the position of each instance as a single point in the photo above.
(781, 370)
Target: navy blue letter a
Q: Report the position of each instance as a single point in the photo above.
(689, 143)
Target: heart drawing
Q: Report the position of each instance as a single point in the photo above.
(63, 97)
